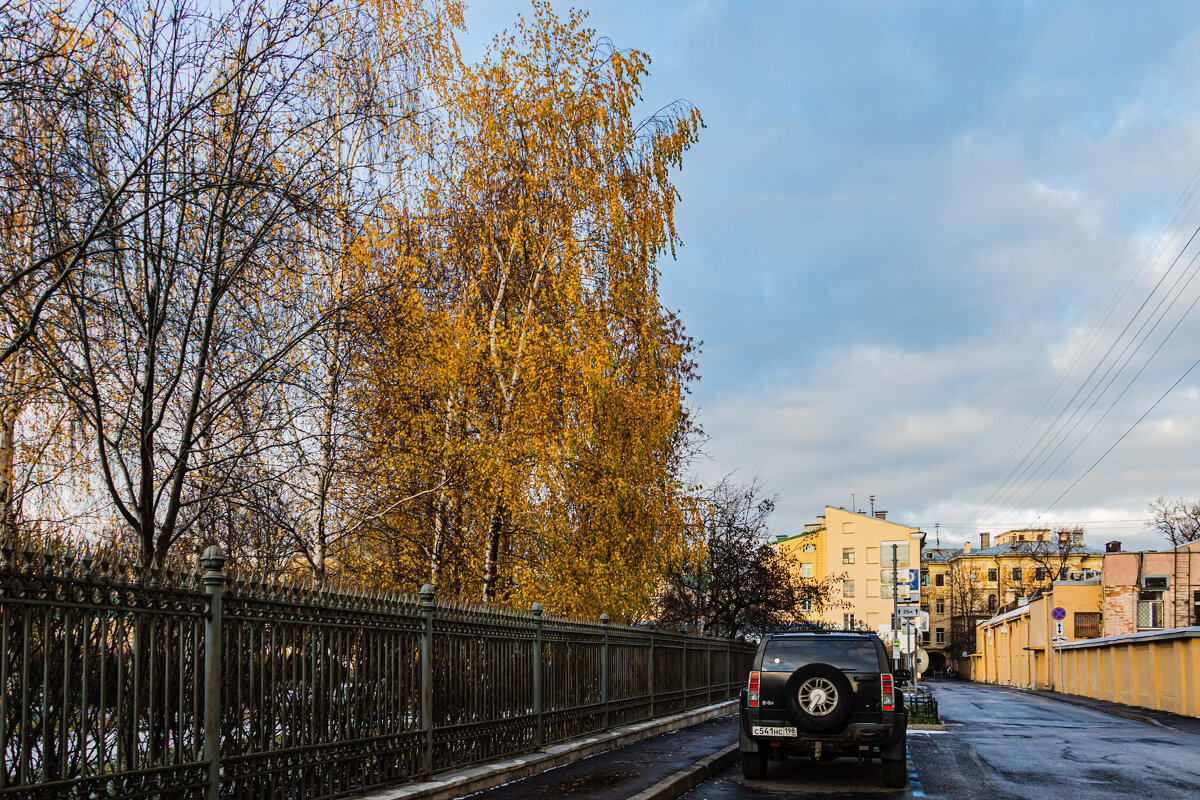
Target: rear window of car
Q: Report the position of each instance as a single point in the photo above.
(787, 655)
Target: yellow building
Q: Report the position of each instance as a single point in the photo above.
(1019, 647)
(855, 552)
(961, 587)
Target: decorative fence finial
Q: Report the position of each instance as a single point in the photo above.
(213, 562)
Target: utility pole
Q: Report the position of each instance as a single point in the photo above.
(895, 602)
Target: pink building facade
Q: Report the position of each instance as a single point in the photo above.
(1150, 590)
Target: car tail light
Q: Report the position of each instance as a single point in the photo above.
(752, 691)
(889, 697)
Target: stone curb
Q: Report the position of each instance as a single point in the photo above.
(690, 777)
(921, 726)
(476, 779)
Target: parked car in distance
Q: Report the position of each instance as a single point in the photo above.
(824, 695)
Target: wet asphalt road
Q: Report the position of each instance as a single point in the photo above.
(1001, 745)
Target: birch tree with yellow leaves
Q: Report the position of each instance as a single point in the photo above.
(548, 427)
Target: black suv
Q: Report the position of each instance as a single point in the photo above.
(823, 695)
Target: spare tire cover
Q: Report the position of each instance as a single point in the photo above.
(819, 697)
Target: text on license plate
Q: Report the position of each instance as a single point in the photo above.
(767, 730)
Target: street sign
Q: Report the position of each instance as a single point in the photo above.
(1058, 640)
(922, 661)
(908, 612)
(1059, 613)
(1058, 628)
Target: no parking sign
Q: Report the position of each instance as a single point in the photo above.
(1059, 613)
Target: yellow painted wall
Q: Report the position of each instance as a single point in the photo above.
(1015, 648)
(1154, 669)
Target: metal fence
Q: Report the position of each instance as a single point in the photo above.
(920, 702)
(116, 683)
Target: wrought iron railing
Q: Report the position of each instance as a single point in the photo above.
(921, 703)
(117, 682)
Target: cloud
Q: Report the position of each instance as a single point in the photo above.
(911, 231)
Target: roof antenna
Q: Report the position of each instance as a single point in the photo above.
(872, 505)
(937, 539)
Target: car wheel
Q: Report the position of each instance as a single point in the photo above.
(754, 765)
(894, 775)
(819, 697)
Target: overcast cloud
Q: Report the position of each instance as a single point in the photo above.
(912, 230)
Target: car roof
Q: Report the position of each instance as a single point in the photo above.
(823, 634)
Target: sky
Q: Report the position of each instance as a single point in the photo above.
(938, 253)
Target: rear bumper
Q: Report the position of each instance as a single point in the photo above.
(888, 734)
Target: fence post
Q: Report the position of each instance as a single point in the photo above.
(650, 677)
(708, 653)
(427, 609)
(539, 732)
(686, 671)
(213, 561)
(604, 669)
(728, 655)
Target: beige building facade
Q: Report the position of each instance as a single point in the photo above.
(855, 552)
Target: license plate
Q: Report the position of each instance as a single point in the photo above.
(765, 730)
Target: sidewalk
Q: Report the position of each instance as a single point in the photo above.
(1163, 719)
(665, 766)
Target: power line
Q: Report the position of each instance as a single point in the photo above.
(1056, 432)
(1195, 364)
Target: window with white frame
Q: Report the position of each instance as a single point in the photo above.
(806, 570)
(847, 588)
(940, 605)
(940, 634)
(1150, 610)
(847, 555)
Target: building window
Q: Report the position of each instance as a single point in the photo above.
(940, 605)
(1196, 607)
(1150, 610)
(1016, 574)
(941, 636)
(1039, 574)
(1087, 624)
(991, 602)
(847, 588)
(991, 576)
(924, 637)
(925, 579)
(847, 621)
(810, 548)
(806, 604)
(939, 579)
(1062, 573)
(806, 570)
(847, 555)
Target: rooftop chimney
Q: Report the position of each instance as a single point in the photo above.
(966, 548)
(880, 515)
(985, 541)
(1112, 547)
